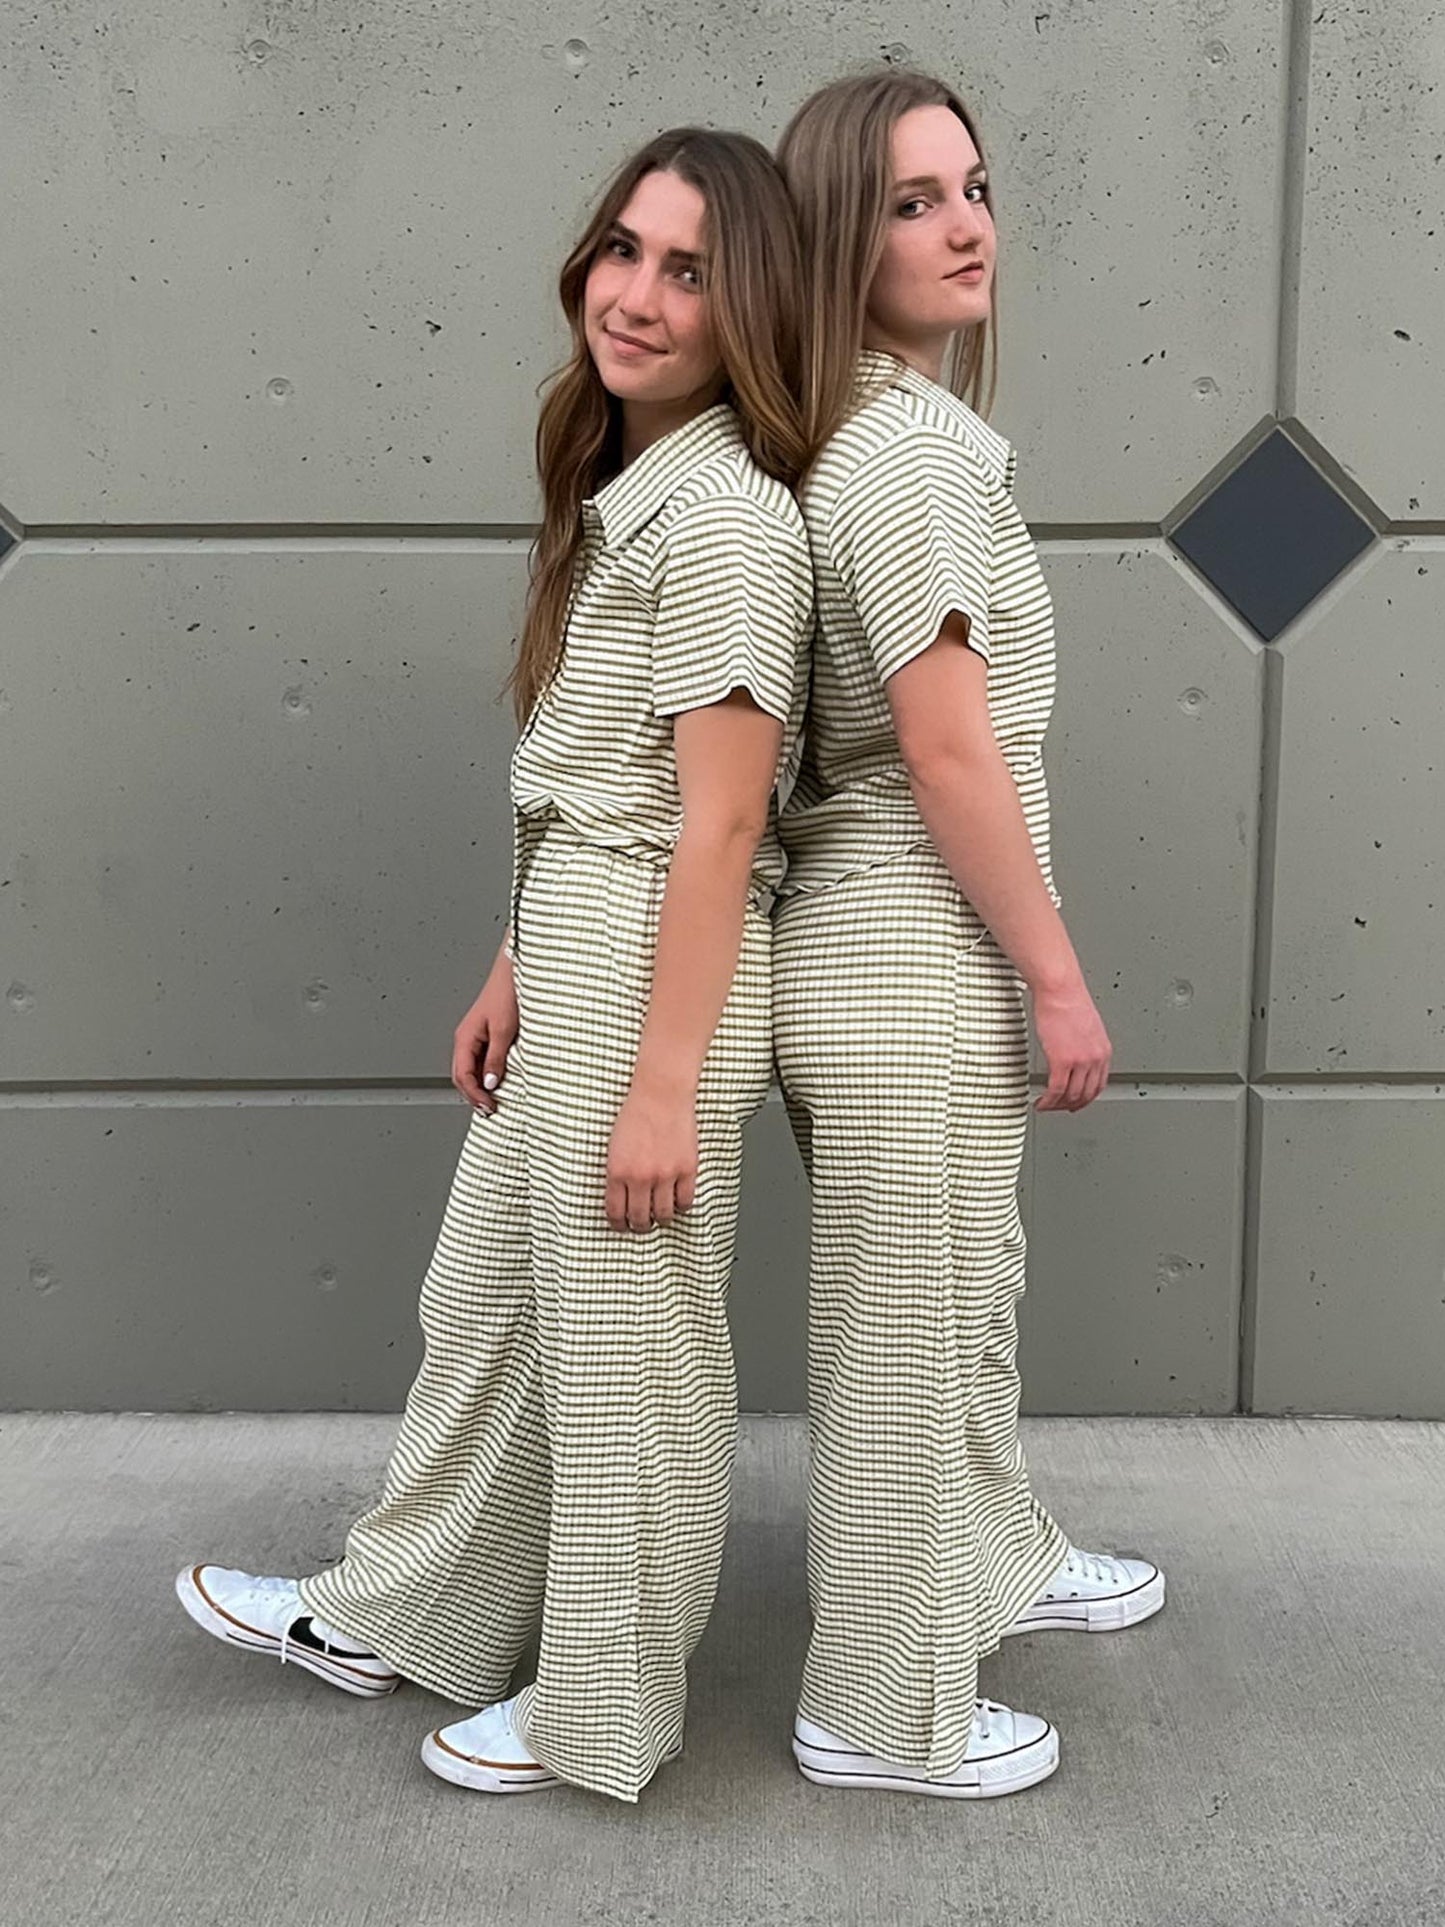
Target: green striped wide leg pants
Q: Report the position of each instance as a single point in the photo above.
(902, 1045)
(565, 1456)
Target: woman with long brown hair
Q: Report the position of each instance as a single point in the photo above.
(562, 1469)
(918, 905)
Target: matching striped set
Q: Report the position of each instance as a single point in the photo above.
(902, 1047)
(563, 1465)
(562, 1470)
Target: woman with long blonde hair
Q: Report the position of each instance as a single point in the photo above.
(918, 905)
(562, 1469)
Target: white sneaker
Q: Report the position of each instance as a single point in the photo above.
(1092, 1592)
(486, 1753)
(1007, 1751)
(489, 1755)
(269, 1616)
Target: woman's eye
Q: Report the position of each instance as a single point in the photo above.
(980, 188)
(620, 247)
(692, 277)
(917, 201)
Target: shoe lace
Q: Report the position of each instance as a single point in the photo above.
(982, 1717)
(1091, 1565)
(269, 1584)
(270, 1588)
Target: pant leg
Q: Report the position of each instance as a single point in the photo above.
(444, 1577)
(902, 1043)
(638, 1382)
(567, 1447)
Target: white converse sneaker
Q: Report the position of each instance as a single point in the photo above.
(489, 1755)
(486, 1753)
(266, 1615)
(1092, 1592)
(1007, 1751)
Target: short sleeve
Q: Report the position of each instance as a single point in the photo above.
(911, 538)
(734, 603)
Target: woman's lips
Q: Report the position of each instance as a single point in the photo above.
(627, 345)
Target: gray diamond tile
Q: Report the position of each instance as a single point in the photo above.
(1272, 535)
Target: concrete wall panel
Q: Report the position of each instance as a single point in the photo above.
(1372, 266)
(184, 1255)
(296, 265)
(1358, 920)
(266, 1253)
(252, 810)
(1153, 763)
(228, 1254)
(768, 1308)
(1133, 1212)
(291, 270)
(1350, 1311)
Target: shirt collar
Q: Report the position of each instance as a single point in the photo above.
(637, 492)
(877, 371)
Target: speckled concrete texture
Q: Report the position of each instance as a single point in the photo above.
(1268, 1752)
(280, 289)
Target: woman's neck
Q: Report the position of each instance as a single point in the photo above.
(924, 354)
(646, 422)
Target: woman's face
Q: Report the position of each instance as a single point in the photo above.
(644, 312)
(936, 271)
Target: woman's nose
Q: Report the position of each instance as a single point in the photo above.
(640, 295)
(970, 220)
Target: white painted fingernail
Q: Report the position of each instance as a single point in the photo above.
(490, 1081)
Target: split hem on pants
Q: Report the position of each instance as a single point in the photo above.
(902, 1044)
(565, 1458)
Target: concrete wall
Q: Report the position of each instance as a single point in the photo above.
(277, 296)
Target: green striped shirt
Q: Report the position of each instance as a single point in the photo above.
(910, 516)
(694, 580)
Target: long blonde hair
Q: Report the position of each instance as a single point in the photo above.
(753, 290)
(836, 157)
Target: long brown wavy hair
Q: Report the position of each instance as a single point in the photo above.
(752, 285)
(836, 157)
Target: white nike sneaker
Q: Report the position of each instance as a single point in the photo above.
(265, 1615)
(1092, 1592)
(1007, 1751)
(486, 1753)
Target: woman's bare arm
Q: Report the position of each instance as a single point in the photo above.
(727, 756)
(970, 806)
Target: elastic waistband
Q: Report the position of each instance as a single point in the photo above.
(545, 836)
(546, 830)
(555, 832)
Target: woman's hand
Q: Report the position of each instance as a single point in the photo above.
(652, 1159)
(1076, 1045)
(483, 1038)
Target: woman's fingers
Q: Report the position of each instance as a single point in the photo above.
(494, 1059)
(1085, 1083)
(1054, 1091)
(637, 1204)
(1073, 1086)
(629, 1204)
(1078, 1081)
(641, 1206)
(1098, 1078)
(639, 1209)
(466, 1051)
(666, 1202)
